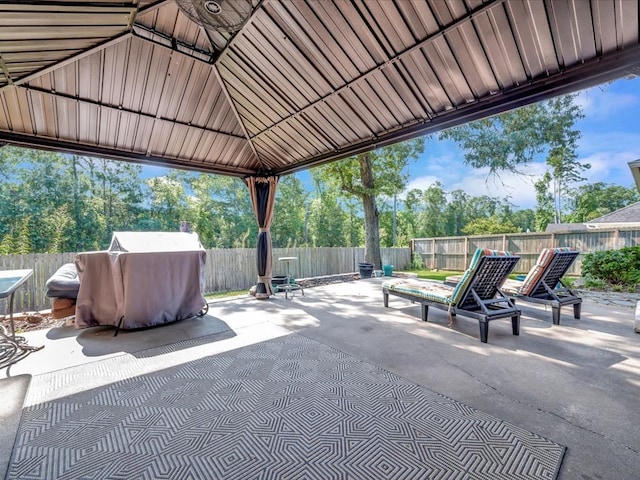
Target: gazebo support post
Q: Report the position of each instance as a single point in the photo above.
(263, 194)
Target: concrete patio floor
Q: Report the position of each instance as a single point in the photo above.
(576, 383)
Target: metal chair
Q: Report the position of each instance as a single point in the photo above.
(290, 286)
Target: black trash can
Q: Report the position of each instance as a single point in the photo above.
(366, 270)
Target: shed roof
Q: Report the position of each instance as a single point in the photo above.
(301, 83)
(628, 214)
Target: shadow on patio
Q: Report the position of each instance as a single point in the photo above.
(575, 384)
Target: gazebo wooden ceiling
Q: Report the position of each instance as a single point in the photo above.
(300, 84)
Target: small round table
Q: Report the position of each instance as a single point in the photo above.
(288, 287)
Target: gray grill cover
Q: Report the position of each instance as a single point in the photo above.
(145, 278)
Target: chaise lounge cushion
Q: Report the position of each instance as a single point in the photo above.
(525, 287)
(440, 292)
(537, 271)
(64, 283)
(432, 291)
(476, 295)
(461, 287)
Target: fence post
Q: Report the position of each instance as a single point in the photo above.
(466, 253)
(504, 243)
(433, 254)
(411, 250)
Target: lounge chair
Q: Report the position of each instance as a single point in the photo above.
(477, 295)
(543, 284)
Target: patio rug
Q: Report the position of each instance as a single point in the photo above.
(286, 408)
(13, 391)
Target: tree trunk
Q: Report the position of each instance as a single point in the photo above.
(76, 205)
(371, 224)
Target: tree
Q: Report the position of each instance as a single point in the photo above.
(456, 212)
(432, 217)
(168, 201)
(564, 167)
(288, 229)
(371, 174)
(505, 142)
(327, 220)
(594, 200)
(524, 219)
(220, 211)
(489, 225)
(513, 140)
(544, 203)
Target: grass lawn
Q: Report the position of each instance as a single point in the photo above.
(434, 275)
(442, 274)
(230, 293)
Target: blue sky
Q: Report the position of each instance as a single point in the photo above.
(610, 139)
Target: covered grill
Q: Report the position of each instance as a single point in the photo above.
(144, 279)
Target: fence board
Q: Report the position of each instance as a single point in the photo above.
(454, 253)
(225, 269)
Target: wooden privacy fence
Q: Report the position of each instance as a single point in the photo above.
(225, 269)
(454, 253)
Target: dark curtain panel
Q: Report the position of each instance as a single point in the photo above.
(263, 194)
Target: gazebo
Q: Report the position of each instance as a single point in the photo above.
(263, 88)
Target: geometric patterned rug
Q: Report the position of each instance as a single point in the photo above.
(287, 408)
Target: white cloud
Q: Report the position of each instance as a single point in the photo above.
(519, 188)
(609, 153)
(600, 103)
(422, 183)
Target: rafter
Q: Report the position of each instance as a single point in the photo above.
(579, 77)
(349, 85)
(161, 40)
(170, 44)
(118, 108)
(57, 145)
(225, 90)
(74, 58)
(5, 70)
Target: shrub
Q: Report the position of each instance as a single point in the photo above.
(416, 262)
(613, 267)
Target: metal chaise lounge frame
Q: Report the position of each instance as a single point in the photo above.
(543, 284)
(477, 295)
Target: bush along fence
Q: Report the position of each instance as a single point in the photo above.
(454, 253)
(225, 269)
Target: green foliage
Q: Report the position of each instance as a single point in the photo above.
(569, 281)
(368, 176)
(439, 275)
(613, 267)
(594, 200)
(544, 209)
(327, 220)
(434, 212)
(513, 140)
(388, 170)
(51, 202)
(595, 283)
(489, 225)
(289, 227)
(416, 262)
(23, 243)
